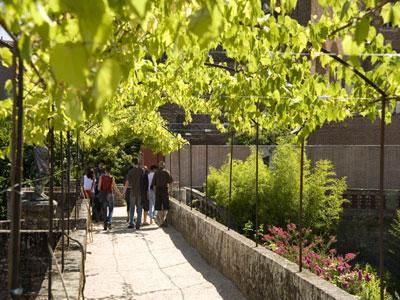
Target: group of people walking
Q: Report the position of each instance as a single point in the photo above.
(145, 191)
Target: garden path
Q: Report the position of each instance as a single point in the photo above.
(151, 263)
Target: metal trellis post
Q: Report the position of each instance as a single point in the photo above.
(206, 187)
(382, 202)
(257, 200)
(230, 180)
(301, 207)
(51, 208)
(191, 175)
(77, 181)
(62, 201)
(179, 175)
(16, 178)
(68, 182)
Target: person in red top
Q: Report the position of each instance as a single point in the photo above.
(106, 187)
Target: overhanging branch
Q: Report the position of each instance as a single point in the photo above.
(357, 72)
(221, 67)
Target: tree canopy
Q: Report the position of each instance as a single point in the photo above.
(104, 66)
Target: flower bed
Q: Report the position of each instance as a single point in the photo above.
(322, 259)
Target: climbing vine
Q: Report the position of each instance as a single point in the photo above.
(98, 65)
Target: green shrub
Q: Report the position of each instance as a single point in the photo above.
(323, 197)
(279, 190)
(280, 206)
(243, 187)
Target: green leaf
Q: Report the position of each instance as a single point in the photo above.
(370, 3)
(140, 7)
(73, 107)
(396, 14)
(362, 29)
(107, 80)
(8, 87)
(25, 45)
(95, 20)
(69, 63)
(6, 56)
(345, 8)
(387, 13)
(204, 24)
(107, 127)
(289, 5)
(303, 40)
(350, 47)
(200, 22)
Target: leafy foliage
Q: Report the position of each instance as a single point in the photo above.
(279, 190)
(128, 58)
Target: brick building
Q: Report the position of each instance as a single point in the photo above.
(356, 131)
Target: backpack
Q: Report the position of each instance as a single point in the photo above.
(106, 183)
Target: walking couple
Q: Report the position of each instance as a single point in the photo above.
(148, 192)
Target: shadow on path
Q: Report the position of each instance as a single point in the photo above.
(209, 273)
(168, 255)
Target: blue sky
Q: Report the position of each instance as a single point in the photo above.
(4, 35)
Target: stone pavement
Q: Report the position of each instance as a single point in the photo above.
(151, 263)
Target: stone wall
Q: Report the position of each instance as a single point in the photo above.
(359, 163)
(256, 271)
(28, 194)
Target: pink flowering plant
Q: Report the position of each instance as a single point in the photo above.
(320, 258)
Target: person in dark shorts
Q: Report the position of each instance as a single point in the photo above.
(161, 180)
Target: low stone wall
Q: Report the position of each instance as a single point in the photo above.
(258, 272)
(28, 194)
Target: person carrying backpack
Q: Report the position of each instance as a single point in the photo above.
(106, 187)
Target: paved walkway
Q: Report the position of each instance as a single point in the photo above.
(151, 263)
